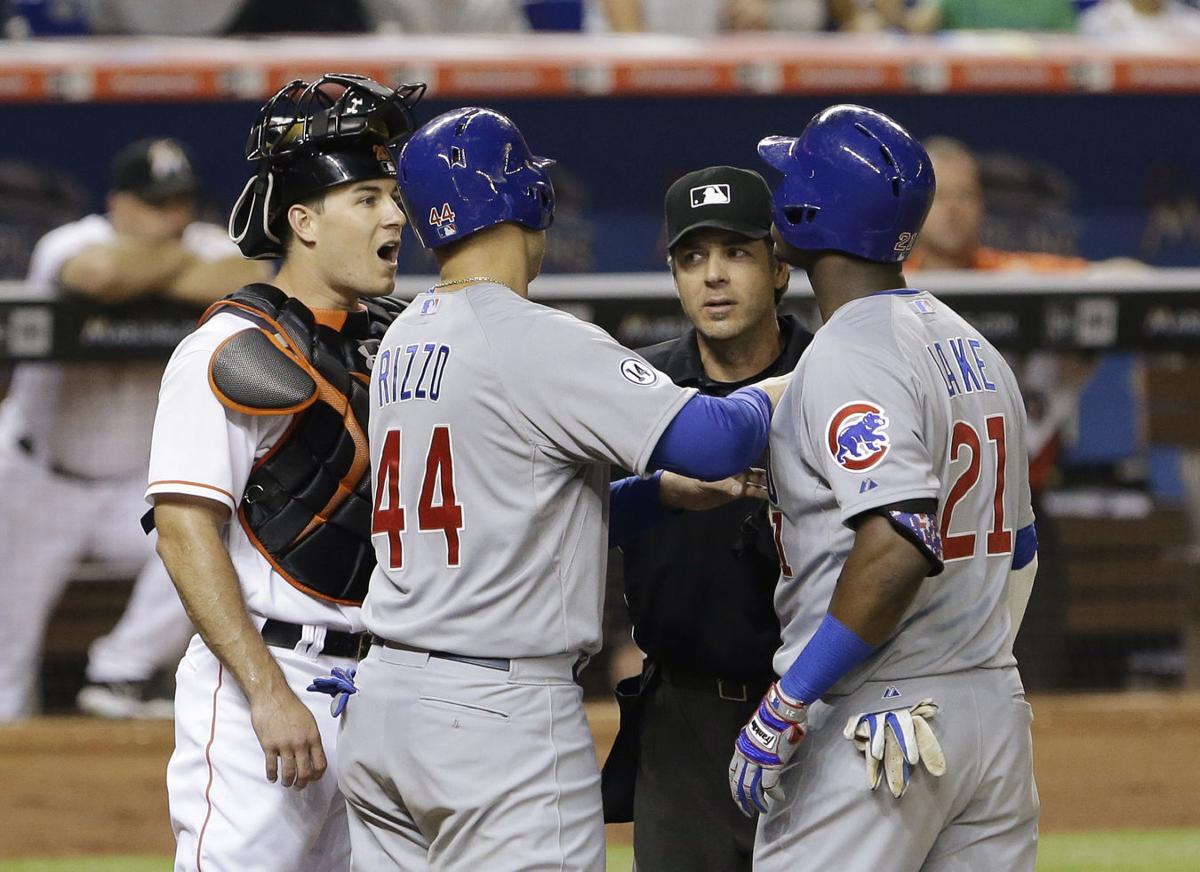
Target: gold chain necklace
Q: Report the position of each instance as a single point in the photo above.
(469, 280)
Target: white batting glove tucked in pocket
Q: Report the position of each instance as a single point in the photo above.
(894, 741)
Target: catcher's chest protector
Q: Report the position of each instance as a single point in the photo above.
(307, 504)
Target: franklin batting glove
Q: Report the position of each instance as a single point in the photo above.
(763, 748)
(894, 741)
(339, 685)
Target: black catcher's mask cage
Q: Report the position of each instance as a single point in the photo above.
(311, 136)
(337, 106)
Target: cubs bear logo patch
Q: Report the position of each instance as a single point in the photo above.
(856, 437)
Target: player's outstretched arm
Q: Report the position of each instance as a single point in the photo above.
(637, 504)
(680, 492)
(712, 438)
(191, 545)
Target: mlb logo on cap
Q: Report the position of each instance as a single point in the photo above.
(733, 199)
(708, 195)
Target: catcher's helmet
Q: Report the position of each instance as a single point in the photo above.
(469, 169)
(310, 137)
(853, 181)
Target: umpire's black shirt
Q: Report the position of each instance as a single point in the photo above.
(701, 585)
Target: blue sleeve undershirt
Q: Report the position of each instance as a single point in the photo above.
(634, 507)
(1026, 547)
(712, 438)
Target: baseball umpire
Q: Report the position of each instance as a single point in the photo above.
(494, 421)
(699, 587)
(259, 480)
(897, 454)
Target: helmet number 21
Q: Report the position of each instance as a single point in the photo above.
(446, 516)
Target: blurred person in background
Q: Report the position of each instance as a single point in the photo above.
(74, 438)
(927, 16)
(708, 17)
(448, 16)
(1050, 383)
(1141, 19)
(163, 17)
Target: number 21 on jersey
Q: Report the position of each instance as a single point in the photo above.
(389, 515)
(965, 440)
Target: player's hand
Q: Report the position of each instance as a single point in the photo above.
(289, 738)
(894, 741)
(680, 492)
(774, 387)
(763, 748)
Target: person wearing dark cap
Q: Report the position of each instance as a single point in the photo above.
(700, 588)
(74, 437)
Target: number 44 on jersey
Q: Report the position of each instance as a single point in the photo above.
(445, 516)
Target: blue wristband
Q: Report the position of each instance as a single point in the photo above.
(634, 507)
(833, 651)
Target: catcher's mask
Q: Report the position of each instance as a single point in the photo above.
(314, 136)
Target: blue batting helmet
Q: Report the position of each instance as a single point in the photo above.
(853, 181)
(469, 169)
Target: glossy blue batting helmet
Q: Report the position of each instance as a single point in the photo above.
(469, 169)
(853, 181)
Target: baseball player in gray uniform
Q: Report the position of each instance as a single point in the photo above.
(493, 424)
(900, 496)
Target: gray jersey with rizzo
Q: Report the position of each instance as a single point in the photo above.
(898, 399)
(493, 424)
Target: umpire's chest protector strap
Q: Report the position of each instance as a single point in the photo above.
(307, 503)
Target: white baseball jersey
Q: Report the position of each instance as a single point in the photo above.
(493, 424)
(203, 449)
(93, 419)
(897, 399)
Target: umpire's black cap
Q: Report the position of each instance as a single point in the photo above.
(728, 198)
(154, 169)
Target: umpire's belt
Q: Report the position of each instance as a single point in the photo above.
(332, 643)
(552, 669)
(722, 688)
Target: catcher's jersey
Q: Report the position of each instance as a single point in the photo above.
(493, 424)
(92, 418)
(898, 398)
(200, 448)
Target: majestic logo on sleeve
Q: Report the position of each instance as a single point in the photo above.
(855, 436)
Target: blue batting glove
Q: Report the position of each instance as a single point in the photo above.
(339, 685)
